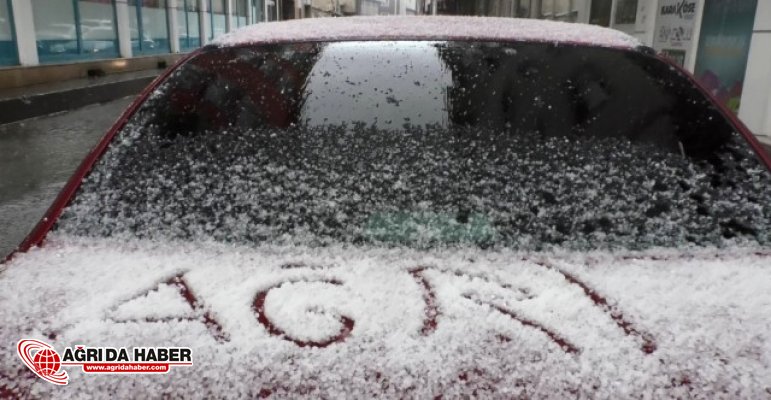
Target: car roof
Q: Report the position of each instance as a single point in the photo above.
(427, 28)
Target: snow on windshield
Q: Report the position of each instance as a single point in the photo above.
(374, 322)
(427, 28)
(421, 188)
(424, 144)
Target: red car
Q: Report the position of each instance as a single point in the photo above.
(404, 208)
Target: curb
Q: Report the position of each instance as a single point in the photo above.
(17, 109)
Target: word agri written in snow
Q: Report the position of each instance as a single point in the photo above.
(47, 364)
(317, 283)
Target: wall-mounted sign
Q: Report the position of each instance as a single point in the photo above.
(724, 43)
(675, 20)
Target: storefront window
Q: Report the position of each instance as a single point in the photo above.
(599, 13)
(521, 9)
(564, 10)
(626, 12)
(149, 27)
(547, 9)
(98, 27)
(257, 9)
(189, 33)
(8, 54)
(724, 45)
(271, 7)
(68, 30)
(217, 13)
(240, 13)
(286, 9)
(57, 39)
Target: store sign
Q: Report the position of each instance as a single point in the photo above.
(682, 8)
(724, 43)
(675, 20)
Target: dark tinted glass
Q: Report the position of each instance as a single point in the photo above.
(428, 143)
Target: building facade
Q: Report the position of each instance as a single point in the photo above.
(726, 44)
(330, 8)
(34, 32)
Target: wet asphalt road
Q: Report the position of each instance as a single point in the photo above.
(37, 156)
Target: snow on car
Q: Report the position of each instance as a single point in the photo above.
(411, 207)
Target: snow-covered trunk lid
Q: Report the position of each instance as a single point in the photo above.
(427, 28)
(356, 322)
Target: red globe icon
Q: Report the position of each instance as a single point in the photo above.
(47, 362)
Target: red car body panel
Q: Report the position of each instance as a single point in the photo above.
(41, 229)
(728, 114)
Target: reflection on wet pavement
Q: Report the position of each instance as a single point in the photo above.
(37, 156)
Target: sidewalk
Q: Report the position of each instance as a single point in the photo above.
(33, 101)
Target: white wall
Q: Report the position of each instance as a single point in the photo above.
(755, 110)
(174, 26)
(124, 28)
(26, 43)
(203, 21)
(644, 28)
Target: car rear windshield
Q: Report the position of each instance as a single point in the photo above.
(519, 145)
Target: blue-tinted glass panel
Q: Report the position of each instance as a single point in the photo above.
(134, 15)
(149, 27)
(271, 10)
(194, 30)
(187, 17)
(240, 13)
(68, 30)
(8, 55)
(155, 27)
(217, 12)
(182, 25)
(98, 28)
(57, 38)
(256, 11)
